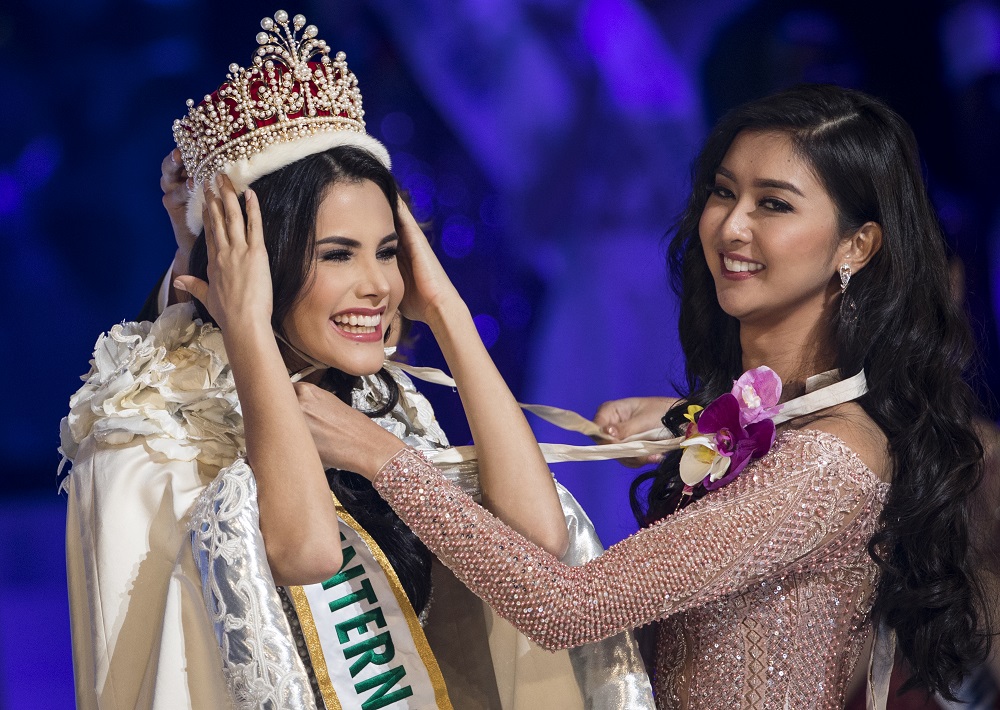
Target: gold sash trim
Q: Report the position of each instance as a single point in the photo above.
(311, 634)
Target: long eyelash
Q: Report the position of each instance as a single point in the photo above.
(388, 253)
(778, 205)
(336, 255)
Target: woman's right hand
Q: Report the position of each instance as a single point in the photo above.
(177, 186)
(238, 290)
(345, 438)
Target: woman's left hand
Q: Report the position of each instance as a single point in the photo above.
(345, 438)
(429, 291)
(238, 291)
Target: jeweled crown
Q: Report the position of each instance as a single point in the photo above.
(287, 105)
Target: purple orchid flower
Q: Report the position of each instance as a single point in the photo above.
(741, 444)
(758, 391)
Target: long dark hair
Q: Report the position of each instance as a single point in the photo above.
(289, 201)
(898, 322)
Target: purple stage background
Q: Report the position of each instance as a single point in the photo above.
(548, 143)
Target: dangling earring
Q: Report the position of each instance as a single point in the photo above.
(845, 276)
(848, 309)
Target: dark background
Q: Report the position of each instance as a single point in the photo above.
(546, 141)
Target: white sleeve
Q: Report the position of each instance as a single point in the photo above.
(141, 634)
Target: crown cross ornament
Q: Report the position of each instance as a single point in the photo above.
(293, 101)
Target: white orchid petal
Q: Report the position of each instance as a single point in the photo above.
(707, 442)
(693, 469)
(719, 468)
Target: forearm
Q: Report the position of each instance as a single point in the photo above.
(297, 514)
(179, 267)
(749, 531)
(515, 479)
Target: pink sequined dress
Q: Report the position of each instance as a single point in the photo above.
(763, 587)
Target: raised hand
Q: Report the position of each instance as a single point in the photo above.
(238, 291)
(429, 291)
(177, 188)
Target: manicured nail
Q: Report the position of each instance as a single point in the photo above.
(179, 285)
(175, 156)
(612, 431)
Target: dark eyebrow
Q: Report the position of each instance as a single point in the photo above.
(354, 243)
(341, 241)
(765, 182)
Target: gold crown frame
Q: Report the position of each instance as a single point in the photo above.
(286, 106)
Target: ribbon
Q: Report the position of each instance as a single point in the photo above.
(648, 443)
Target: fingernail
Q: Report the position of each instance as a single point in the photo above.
(175, 156)
(179, 285)
(612, 431)
(247, 194)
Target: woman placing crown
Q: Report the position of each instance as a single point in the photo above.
(809, 245)
(209, 564)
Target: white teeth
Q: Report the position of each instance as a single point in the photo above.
(739, 265)
(354, 323)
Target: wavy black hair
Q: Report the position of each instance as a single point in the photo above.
(900, 324)
(289, 202)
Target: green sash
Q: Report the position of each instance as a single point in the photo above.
(365, 643)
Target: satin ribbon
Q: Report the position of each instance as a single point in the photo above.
(648, 443)
(312, 367)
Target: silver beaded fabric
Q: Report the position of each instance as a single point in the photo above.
(763, 587)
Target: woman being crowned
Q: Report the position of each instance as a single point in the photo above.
(215, 557)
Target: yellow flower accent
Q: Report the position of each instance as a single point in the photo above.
(691, 411)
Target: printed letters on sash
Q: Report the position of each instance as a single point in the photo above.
(364, 640)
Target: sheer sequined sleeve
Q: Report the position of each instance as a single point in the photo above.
(807, 495)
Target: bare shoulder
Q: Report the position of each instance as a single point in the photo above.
(851, 424)
(989, 437)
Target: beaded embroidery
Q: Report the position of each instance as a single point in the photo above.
(766, 583)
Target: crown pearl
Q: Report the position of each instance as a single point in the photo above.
(298, 22)
(281, 17)
(263, 38)
(234, 68)
(267, 24)
(312, 31)
(341, 57)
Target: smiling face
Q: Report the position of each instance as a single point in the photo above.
(354, 288)
(770, 235)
